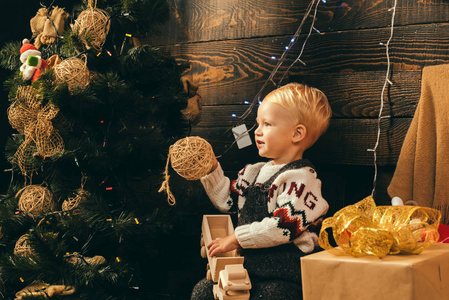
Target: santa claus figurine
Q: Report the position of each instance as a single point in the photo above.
(32, 63)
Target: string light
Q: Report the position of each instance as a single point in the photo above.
(256, 99)
(386, 83)
(298, 58)
(312, 4)
(246, 102)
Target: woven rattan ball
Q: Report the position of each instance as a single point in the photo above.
(192, 157)
(37, 200)
(73, 202)
(73, 71)
(23, 247)
(92, 26)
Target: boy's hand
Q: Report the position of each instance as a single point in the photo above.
(221, 245)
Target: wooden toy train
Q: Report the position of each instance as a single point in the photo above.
(225, 269)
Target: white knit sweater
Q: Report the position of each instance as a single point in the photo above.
(294, 203)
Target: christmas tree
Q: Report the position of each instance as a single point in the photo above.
(94, 113)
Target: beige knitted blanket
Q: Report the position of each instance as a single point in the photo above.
(422, 171)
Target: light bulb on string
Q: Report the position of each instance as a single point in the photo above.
(311, 12)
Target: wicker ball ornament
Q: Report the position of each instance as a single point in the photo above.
(71, 204)
(92, 26)
(74, 71)
(36, 200)
(192, 157)
(23, 247)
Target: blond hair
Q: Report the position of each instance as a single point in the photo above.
(308, 105)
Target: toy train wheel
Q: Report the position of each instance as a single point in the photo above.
(203, 252)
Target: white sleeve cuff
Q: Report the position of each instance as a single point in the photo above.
(212, 179)
(243, 235)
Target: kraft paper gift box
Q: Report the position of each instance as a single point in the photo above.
(394, 277)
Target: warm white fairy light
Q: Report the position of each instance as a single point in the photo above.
(386, 83)
(293, 40)
(312, 5)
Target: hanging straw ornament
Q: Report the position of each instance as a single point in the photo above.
(41, 290)
(29, 117)
(80, 196)
(74, 72)
(92, 26)
(73, 202)
(23, 247)
(36, 200)
(191, 158)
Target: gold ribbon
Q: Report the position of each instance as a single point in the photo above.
(364, 229)
(27, 115)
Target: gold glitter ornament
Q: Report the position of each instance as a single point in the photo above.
(364, 229)
(192, 158)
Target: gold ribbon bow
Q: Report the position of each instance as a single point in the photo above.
(364, 229)
(27, 115)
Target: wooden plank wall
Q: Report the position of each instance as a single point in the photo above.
(230, 45)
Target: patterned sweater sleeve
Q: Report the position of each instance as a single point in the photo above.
(294, 202)
(217, 187)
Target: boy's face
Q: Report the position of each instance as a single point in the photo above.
(275, 131)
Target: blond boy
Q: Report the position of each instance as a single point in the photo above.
(279, 201)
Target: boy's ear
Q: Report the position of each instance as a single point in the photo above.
(300, 133)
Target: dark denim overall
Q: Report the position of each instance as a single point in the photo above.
(274, 263)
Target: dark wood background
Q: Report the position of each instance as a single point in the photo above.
(230, 45)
